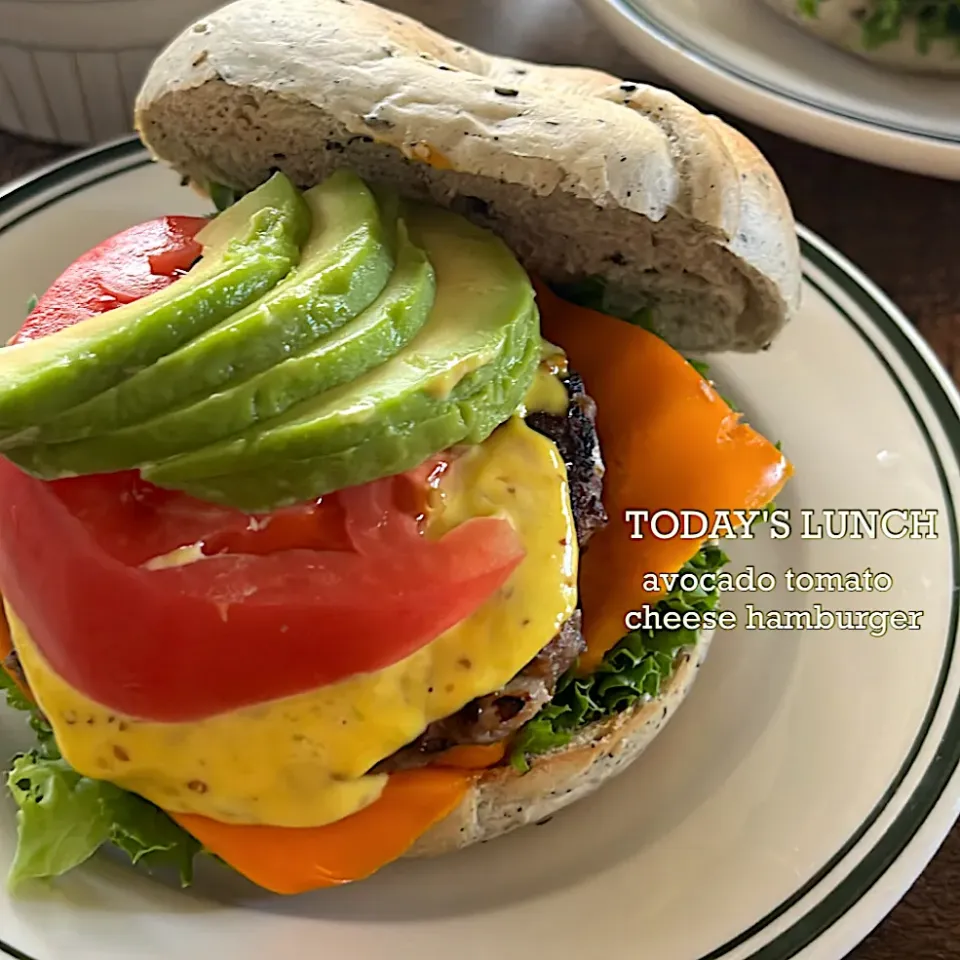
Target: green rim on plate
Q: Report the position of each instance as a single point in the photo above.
(637, 11)
(58, 181)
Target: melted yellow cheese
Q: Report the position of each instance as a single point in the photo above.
(547, 394)
(301, 761)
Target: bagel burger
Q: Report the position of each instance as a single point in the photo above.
(313, 546)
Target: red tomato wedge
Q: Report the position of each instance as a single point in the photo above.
(233, 629)
(130, 265)
(277, 604)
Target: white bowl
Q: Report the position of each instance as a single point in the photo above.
(70, 69)
(839, 22)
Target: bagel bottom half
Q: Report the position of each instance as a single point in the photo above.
(503, 799)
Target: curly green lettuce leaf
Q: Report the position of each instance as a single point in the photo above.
(47, 746)
(635, 669)
(149, 836)
(883, 20)
(60, 818)
(63, 818)
(15, 696)
(591, 292)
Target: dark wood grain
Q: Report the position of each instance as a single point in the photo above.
(902, 230)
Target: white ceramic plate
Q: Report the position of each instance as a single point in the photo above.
(799, 791)
(744, 58)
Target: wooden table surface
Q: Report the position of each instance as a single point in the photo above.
(902, 230)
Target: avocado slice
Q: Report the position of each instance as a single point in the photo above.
(262, 491)
(346, 261)
(392, 449)
(368, 340)
(245, 254)
(483, 315)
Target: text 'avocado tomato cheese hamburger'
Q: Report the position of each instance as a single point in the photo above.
(325, 528)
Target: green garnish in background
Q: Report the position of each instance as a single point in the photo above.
(883, 20)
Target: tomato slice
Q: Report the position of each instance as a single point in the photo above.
(129, 265)
(276, 605)
(231, 629)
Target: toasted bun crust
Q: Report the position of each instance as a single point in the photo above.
(838, 23)
(503, 799)
(580, 173)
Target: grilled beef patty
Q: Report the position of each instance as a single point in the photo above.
(494, 717)
(575, 435)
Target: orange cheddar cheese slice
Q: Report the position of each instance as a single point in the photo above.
(472, 757)
(292, 860)
(669, 442)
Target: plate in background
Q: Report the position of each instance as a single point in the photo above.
(798, 792)
(745, 59)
